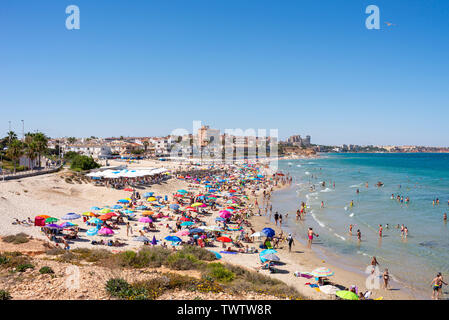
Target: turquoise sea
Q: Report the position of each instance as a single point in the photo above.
(423, 177)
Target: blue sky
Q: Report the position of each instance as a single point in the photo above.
(147, 67)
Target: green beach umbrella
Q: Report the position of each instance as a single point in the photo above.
(347, 295)
(51, 220)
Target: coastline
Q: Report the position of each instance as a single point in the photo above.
(305, 260)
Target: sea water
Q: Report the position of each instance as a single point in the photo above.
(423, 177)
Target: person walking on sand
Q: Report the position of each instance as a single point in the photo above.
(386, 277)
(437, 284)
(310, 235)
(128, 229)
(290, 242)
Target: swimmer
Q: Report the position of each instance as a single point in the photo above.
(322, 204)
(359, 235)
(445, 217)
(352, 203)
(357, 191)
(350, 228)
(380, 230)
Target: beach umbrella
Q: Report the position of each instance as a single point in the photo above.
(226, 215)
(154, 241)
(217, 255)
(329, 289)
(185, 219)
(347, 295)
(269, 232)
(258, 234)
(141, 239)
(145, 220)
(147, 213)
(105, 210)
(105, 231)
(182, 191)
(213, 228)
(128, 211)
(92, 231)
(187, 223)
(122, 201)
(270, 257)
(117, 206)
(196, 230)
(322, 272)
(44, 216)
(128, 189)
(141, 207)
(89, 214)
(220, 219)
(104, 217)
(197, 204)
(148, 194)
(51, 220)
(53, 226)
(182, 233)
(95, 208)
(267, 251)
(150, 199)
(174, 206)
(68, 224)
(173, 239)
(224, 239)
(95, 221)
(71, 216)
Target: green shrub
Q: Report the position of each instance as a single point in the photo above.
(219, 272)
(81, 163)
(55, 251)
(5, 295)
(199, 253)
(24, 267)
(115, 286)
(3, 259)
(17, 238)
(146, 257)
(46, 270)
(182, 261)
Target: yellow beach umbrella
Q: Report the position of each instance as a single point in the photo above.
(147, 213)
(89, 214)
(196, 204)
(151, 199)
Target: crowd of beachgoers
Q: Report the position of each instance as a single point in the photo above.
(217, 207)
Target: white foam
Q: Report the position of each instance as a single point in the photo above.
(351, 215)
(299, 166)
(322, 225)
(339, 236)
(326, 190)
(356, 185)
(307, 172)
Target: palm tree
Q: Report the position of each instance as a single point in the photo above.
(31, 151)
(11, 136)
(15, 151)
(41, 141)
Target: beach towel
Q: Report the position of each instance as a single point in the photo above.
(228, 252)
(303, 275)
(312, 285)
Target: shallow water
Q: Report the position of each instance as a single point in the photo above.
(412, 261)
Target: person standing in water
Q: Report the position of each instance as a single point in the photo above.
(380, 230)
(386, 277)
(276, 217)
(290, 242)
(359, 235)
(310, 235)
(437, 284)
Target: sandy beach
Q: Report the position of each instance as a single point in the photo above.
(52, 195)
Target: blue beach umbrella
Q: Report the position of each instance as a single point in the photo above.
(71, 216)
(220, 219)
(173, 239)
(174, 206)
(148, 194)
(92, 231)
(269, 232)
(123, 201)
(117, 206)
(154, 241)
(187, 223)
(95, 208)
(141, 239)
(217, 255)
(196, 230)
